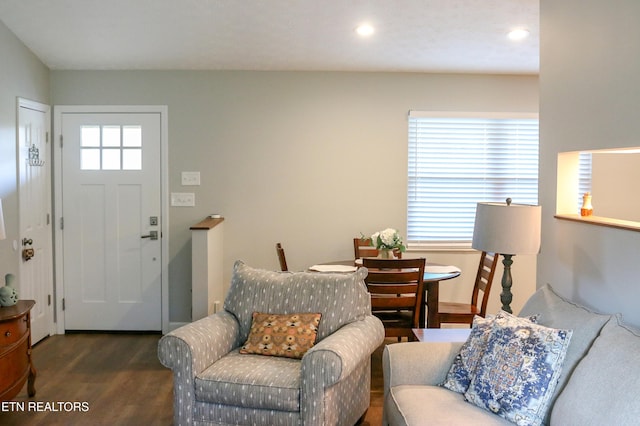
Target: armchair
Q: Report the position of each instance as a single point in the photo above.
(216, 385)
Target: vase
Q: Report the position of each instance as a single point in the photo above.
(587, 207)
(8, 294)
(386, 254)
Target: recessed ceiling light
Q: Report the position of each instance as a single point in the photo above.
(365, 30)
(518, 34)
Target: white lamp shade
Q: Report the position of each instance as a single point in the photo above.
(507, 229)
(3, 235)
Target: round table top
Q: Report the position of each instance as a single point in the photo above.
(433, 271)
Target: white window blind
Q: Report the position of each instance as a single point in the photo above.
(459, 159)
(584, 176)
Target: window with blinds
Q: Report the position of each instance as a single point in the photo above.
(459, 159)
(584, 176)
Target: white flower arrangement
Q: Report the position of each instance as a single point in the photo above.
(387, 239)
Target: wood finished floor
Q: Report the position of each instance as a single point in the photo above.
(122, 381)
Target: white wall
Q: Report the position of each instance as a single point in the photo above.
(589, 99)
(21, 75)
(310, 159)
(613, 179)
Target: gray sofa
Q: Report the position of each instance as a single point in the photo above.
(216, 385)
(599, 383)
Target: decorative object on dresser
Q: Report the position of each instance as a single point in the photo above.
(508, 229)
(8, 294)
(16, 365)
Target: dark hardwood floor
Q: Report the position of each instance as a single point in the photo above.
(115, 379)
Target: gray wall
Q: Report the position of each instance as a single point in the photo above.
(589, 99)
(21, 75)
(310, 159)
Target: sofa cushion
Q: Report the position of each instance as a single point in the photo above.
(290, 336)
(251, 381)
(604, 388)
(434, 405)
(464, 365)
(556, 312)
(519, 369)
(340, 298)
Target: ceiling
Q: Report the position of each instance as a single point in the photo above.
(459, 36)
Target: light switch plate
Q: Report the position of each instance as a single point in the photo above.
(183, 199)
(190, 178)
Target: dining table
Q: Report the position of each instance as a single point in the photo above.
(434, 273)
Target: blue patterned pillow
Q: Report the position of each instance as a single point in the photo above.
(516, 376)
(465, 362)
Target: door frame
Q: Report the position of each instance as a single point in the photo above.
(46, 109)
(57, 144)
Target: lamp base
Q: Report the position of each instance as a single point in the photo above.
(506, 296)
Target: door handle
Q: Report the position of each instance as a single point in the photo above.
(28, 253)
(153, 235)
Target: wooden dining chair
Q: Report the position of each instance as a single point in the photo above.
(451, 312)
(396, 287)
(281, 257)
(362, 248)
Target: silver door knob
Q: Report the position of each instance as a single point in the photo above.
(153, 235)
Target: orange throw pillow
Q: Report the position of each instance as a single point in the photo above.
(289, 336)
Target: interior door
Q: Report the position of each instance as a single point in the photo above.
(111, 205)
(34, 194)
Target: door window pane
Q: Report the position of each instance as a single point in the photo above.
(111, 136)
(110, 159)
(132, 136)
(90, 136)
(132, 159)
(111, 147)
(89, 159)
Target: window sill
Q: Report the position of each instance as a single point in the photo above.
(628, 225)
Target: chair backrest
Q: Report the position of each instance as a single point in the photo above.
(362, 248)
(396, 287)
(484, 278)
(281, 257)
(340, 298)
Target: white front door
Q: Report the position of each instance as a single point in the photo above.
(34, 193)
(111, 213)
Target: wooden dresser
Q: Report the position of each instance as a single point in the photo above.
(16, 366)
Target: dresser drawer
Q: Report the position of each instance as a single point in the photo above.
(11, 331)
(14, 368)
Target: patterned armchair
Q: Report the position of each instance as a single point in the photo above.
(216, 385)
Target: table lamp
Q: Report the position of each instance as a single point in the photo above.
(507, 229)
(3, 234)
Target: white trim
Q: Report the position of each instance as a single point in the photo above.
(164, 189)
(473, 114)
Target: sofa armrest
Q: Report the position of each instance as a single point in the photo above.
(196, 346)
(189, 350)
(417, 363)
(336, 374)
(336, 356)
